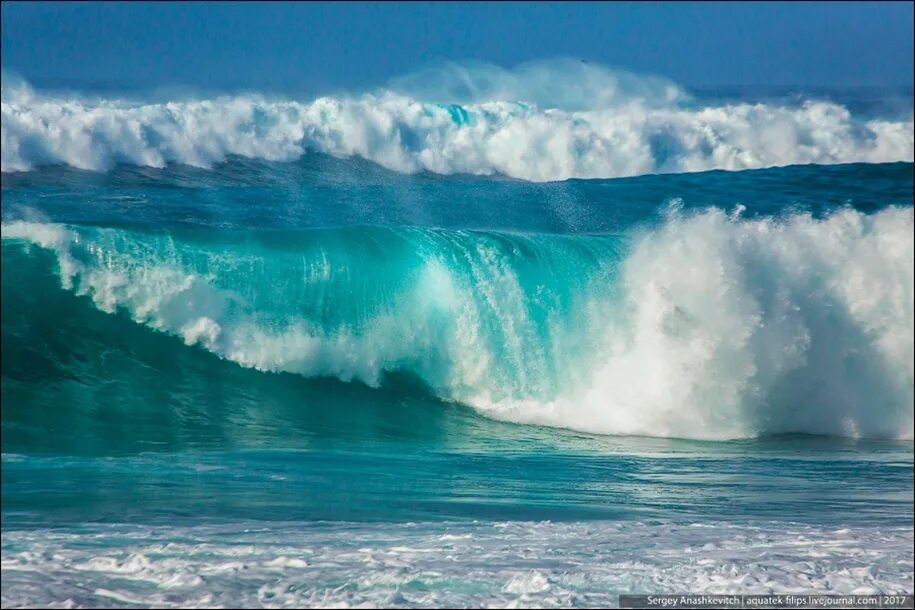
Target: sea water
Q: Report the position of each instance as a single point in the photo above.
(439, 348)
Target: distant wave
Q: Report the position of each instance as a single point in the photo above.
(541, 122)
(709, 326)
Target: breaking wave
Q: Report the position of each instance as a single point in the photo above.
(707, 326)
(541, 122)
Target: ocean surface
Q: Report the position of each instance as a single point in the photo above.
(468, 341)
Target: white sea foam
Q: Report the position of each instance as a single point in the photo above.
(512, 564)
(544, 121)
(738, 328)
(712, 327)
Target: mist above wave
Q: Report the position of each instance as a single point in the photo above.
(541, 121)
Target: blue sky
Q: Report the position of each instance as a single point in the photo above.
(312, 46)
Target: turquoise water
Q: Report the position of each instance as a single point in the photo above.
(429, 371)
(369, 393)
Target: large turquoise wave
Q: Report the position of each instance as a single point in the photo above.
(708, 325)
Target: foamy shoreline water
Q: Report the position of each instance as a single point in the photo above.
(503, 564)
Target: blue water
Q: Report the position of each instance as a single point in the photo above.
(322, 381)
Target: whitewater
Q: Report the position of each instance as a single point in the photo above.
(542, 121)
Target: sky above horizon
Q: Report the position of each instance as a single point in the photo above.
(321, 46)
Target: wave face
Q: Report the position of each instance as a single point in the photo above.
(541, 122)
(708, 326)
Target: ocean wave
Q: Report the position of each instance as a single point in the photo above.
(709, 326)
(541, 122)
